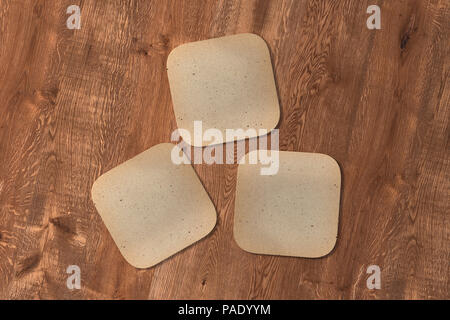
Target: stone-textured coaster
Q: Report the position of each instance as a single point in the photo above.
(152, 207)
(292, 213)
(227, 83)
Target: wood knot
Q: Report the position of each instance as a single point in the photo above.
(28, 264)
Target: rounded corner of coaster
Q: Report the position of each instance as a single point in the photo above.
(213, 215)
(238, 241)
(328, 249)
(260, 42)
(276, 119)
(139, 263)
(253, 35)
(172, 55)
(96, 188)
(334, 164)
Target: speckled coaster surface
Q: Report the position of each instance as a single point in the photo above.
(292, 213)
(152, 207)
(227, 83)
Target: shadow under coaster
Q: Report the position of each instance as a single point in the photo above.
(152, 207)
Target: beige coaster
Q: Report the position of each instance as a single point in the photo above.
(152, 207)
(292, 213)
(227, 83)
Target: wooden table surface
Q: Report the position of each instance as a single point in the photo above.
(76, 103)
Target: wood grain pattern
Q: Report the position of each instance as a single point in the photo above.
(76, 103)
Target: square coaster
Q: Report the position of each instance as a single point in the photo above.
(152, 207)
(227, 83)
(292, 213)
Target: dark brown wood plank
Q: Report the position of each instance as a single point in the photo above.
(76, 103)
